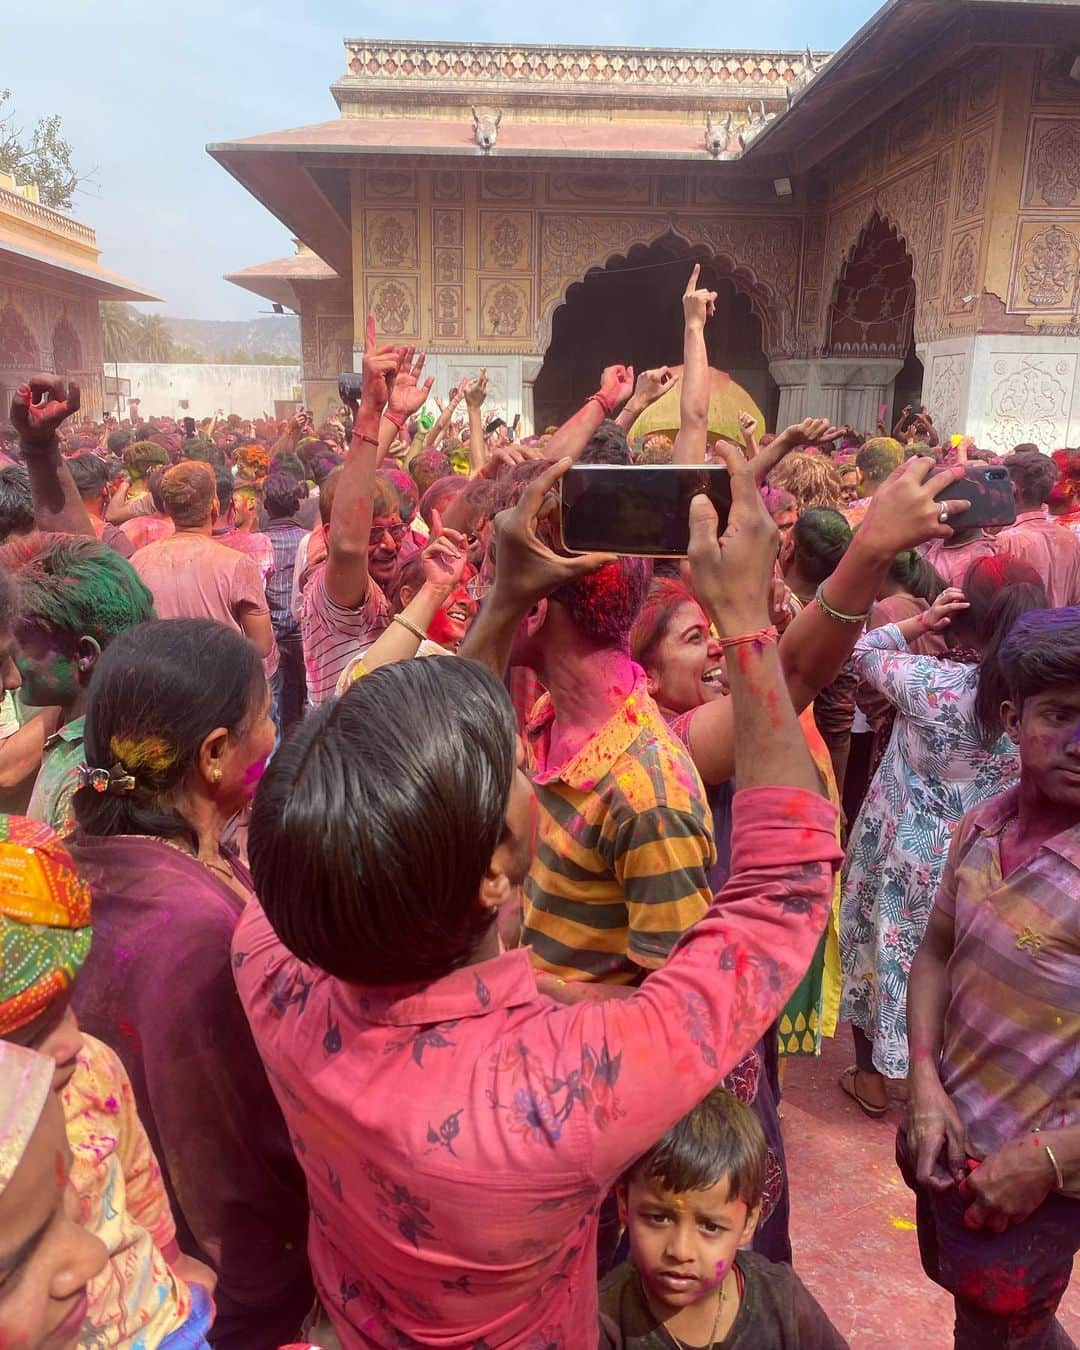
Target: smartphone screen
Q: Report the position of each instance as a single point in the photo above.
(989, 489)
(637, 509)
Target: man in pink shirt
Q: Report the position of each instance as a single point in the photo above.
(458, 1130)
(1037, 538)
(190, 575)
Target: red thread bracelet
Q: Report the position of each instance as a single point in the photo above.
(604, 407)
(361, 437)
(762, 636)
(398, 419)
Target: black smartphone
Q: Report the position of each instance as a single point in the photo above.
(348, 386)
(989, 489)
(638, 509)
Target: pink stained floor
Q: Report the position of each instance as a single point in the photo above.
(853, 1219)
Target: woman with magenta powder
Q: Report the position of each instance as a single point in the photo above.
(177, 735)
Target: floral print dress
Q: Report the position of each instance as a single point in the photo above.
(937, 767)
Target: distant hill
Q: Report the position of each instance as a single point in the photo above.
(279, 335)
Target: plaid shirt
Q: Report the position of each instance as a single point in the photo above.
(284, 536)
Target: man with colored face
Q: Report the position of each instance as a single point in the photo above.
(992, 1144)
(73, 596)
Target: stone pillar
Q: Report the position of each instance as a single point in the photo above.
(1004, 389)
(846, 390)
(530, 369)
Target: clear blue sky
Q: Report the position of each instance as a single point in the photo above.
(143, 88)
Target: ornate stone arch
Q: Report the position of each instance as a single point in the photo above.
(870, 311)
(755, 253)
(18, 346)
(66, 347)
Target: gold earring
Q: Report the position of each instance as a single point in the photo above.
(215, 774)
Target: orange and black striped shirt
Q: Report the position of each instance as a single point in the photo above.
(624, 848)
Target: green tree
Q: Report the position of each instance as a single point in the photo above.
(190, 356)
(41, 156)
(153, 338)
(117, 331)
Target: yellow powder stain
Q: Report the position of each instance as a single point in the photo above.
(905, 1225)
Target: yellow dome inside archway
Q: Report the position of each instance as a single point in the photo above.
(726, 400)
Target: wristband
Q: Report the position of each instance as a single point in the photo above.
(364, 438)
(826, 608)
(398, 419)
(759, 638)
(606, 408)
(410, 626)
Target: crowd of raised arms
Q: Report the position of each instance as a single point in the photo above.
(405, 922)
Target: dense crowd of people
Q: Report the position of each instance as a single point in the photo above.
(405, 922)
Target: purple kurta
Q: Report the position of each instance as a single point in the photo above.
(158, 988)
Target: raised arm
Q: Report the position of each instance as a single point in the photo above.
(37, 411)
(475, 394)
(349, 532)
(407, 396)
(526, 570)
(698, 306)
(748, 427)
(616, 386)
(651, 385)
(820, 639)
(446, 416)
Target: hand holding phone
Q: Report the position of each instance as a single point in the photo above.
(640, 510)
(989, 489)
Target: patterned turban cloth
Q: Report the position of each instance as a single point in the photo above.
(44, 920)
(25, 1086)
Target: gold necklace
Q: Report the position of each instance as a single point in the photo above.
(679, 1345)
(223, 868)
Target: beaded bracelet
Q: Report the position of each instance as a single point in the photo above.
(761, 637)
(826, 608)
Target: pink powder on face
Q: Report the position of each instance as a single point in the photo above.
(255, 772)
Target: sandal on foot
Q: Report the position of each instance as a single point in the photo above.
(848, 1081)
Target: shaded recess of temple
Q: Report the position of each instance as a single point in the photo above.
(895, 221)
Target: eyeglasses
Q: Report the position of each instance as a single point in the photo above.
(378, 532)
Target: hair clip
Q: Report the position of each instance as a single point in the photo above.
(115, 780)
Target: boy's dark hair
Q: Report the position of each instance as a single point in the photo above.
(916, 576)
(89, 474)
(16, 501)
(367, 847)
(323, 465)
(288, 463)
(607, 445)
(820, 538)
(1033, 475)
(118, 442)
(1040, 652)
(719, 1139)
(206, 452)
(282, 495)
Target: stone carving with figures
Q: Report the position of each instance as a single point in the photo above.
(1050, 267)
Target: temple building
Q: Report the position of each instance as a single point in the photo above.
(51, 287)
(895, 222)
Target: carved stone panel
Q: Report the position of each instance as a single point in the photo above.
(448, 229)
(448, 266)
(963, 272)
(974, 172)
(390, 238)
(449, 315)
(1046, 268)
(505, 308)
(1053, 168)
(982, 85)
(394, 302)
(446, 186)
(1052, 83)
(506, 241)
(671, 191)
(948, 373)
(937, 225)
(943, 181)
(622, 189)
(1030, 399)
(384, 184)
(506, 187)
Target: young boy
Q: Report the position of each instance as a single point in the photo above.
(689, 1205)
(142, 1297)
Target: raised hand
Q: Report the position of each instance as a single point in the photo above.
(733, 575)
(616, 386)
(526, 568)
(653, 384)
(903, 512)
(379, 371)
(698, 305)
(940, 614)
(806, 432)
(747, 423)
(476, 390)
(38, 409)
(445, 556)
(408, 395)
